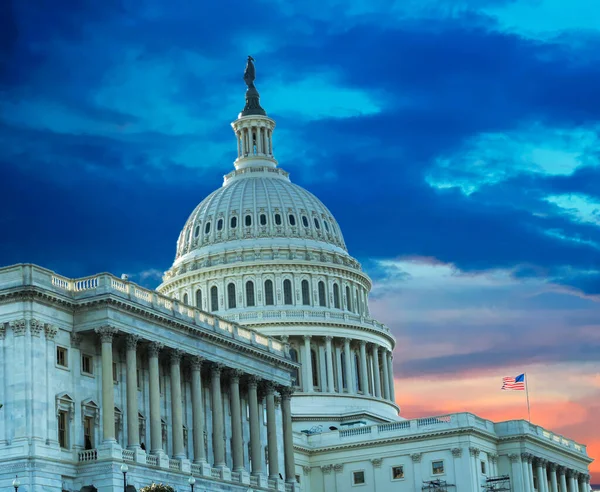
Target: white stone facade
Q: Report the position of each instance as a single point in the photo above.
(262, 301)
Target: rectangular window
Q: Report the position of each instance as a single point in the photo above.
(358, 477)
(115, 373)
(398, 472)
(63, 435)
(437, 467)
(483, 468)
(87, 364)
(88, 433)
(62, 358)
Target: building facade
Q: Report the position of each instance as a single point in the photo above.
(255, 365)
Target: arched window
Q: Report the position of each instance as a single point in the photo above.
(317, 225)
(214, 298)
(185, 298)
(250, 293)
(336, 296)
(322, 300)
(199, 299)
(326, 225)
(315, 368)
(305, 221)
(269, 299)
(357, 372)
(248, 220)
(233, 222)
(263, 219)
(357, 304)
(295, 373)
(277, 219)
(287, 291)
(349, 298)
(197, 231)
(292, 219)
(231, 296)
(343, 369)
(305, 293)
(219, 224)
(207, 228)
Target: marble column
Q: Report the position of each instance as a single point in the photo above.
(217, 416)
(155, 424)
(375, 354)
(474, 452)
(288, 438)
(348, 368)
(364, 378)
(255, 447)
(571, 474)
(307, 368)
(237, 449)
(272, 432)
(516, 472)
(540, 475)
(108, 393)
(197, 411)
(562, 479)
(338, 365)
(584, 483)
(386, 376)
(526, 476)
(391, 371)
(328, 350)
(133, 425)
(553, 481)
(176, 410)
(531, 472)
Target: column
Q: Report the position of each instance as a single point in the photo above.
(176, 411)
(307, 365)
(386, 376)
(375, 353)
(584, 483)
(255, 454)
(237, 449)
(348, 368)
(562, 478)
(108, 396)
(474, 452)
(540, 475)
(526, 477)
(364, 379)
(288, 438)
(553, 481)
(217, 416)
(272, 432)
(391, 373)
(418, 481)
(155, 426)
(338, 366)
(197, 411)
(133, 425)
(516, 472)
(571, 474)
(531, 472)
(330, 386)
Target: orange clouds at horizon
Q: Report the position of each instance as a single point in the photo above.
(574, 418)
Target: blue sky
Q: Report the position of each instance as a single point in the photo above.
(455, 141)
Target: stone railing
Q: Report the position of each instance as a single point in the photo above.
(152, 460)
(104, 283)
(322, 316)
(174, 465)
(128, 455)
(87, 455)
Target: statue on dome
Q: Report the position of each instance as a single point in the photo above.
(250, 73)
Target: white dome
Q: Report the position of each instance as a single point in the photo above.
(255, 203)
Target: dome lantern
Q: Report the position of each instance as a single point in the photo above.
(253, 128)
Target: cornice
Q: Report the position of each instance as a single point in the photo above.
(522, 438)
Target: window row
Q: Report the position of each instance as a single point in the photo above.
(396, 472)
(263, 220)
(352, 304)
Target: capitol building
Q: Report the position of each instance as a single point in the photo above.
(254, 366)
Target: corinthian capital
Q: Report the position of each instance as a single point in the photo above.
(106, 333)
(131, 342)
(154, 349)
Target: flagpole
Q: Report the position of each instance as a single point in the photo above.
(527, 393)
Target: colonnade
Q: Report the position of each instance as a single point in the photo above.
(217, 374)
(532, 474)
(344, 365)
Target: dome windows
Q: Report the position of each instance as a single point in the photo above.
(248, 220)
(322, 299)
(269, 298)
(348, 298)
(197, 231)
(278, 219)
(185, 298)
(292, 219)
(250, 302)
(199, 298)
(214, 298)
(263, 219)
(233, 222)
(336, 296)
(207, 228)
(287, 292)
(220, 225)
(317, 224)
(326, 225)
(231, 304)
(305, 293)
(305, 221)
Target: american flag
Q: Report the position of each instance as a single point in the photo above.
(516, 384)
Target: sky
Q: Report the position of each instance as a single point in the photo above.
(456, 142)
